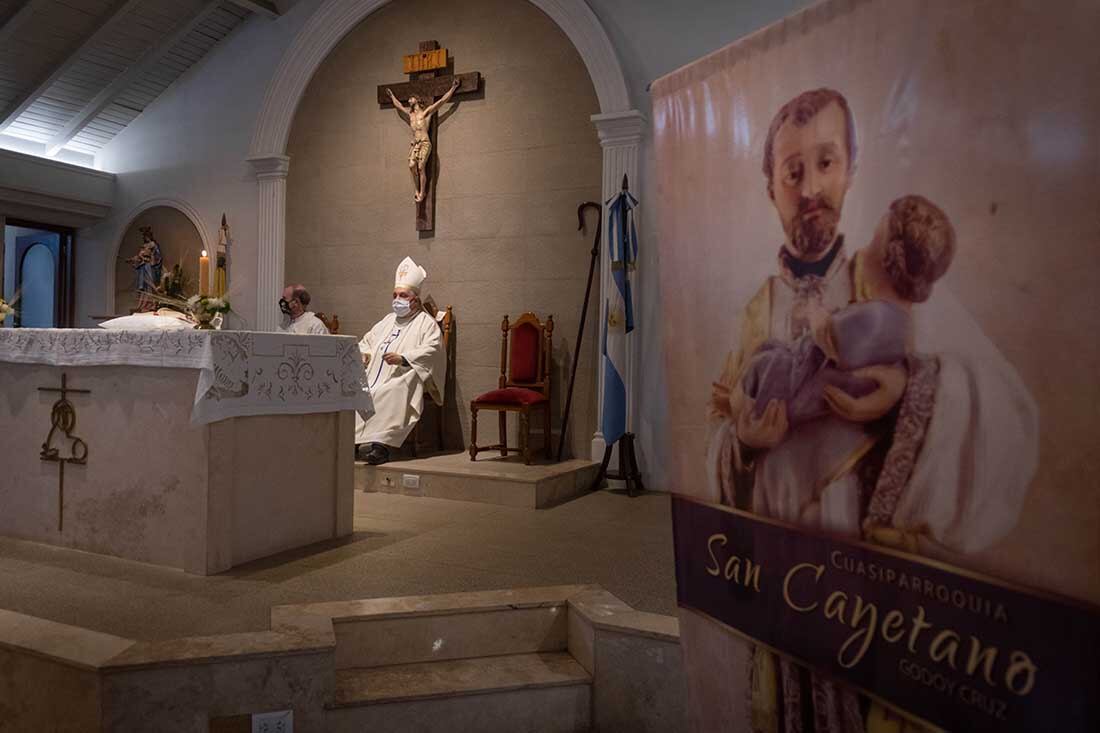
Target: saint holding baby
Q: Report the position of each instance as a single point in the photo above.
(857, 401)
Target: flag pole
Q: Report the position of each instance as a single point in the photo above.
(628, 461)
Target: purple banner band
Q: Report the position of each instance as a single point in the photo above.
(957, 650)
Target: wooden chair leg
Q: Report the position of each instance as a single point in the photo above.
(502, 423)
(473, 433)
(546, 430)
(525, 435)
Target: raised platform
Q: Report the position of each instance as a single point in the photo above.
(489, 479)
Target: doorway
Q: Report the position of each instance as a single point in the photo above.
(38, 274)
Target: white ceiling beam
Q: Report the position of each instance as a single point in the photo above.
(21, 104)
(147, 61)
(260, 7)
(14, 22)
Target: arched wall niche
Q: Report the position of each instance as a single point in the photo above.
(513, 167)
(181, 236)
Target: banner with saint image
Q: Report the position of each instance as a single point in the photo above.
(879, 219)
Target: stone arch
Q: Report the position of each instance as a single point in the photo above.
(336, 18)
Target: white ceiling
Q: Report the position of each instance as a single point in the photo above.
(74, 73)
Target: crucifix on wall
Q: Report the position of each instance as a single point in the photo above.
(431, 84)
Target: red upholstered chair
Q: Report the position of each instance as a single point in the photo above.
(524, 384)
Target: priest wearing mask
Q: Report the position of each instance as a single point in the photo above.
(404, 359)
(296, 318)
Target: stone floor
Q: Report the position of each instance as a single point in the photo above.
(402, 545)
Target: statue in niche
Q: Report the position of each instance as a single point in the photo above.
(420, 149)
(148, 265)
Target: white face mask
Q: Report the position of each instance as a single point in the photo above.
(402, 307)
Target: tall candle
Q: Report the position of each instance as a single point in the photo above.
(204, 274)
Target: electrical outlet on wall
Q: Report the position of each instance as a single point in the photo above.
(280, 721)
(410, 481)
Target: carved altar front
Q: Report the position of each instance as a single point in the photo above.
(203, 450)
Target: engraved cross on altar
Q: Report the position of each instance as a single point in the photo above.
(63, 418)
(432, 82)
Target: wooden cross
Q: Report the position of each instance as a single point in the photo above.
(63, 418)
(431, 75)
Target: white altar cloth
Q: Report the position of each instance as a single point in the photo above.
(240, 372)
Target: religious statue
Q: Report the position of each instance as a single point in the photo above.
(420, 149)
(221, 260)
(148, 265)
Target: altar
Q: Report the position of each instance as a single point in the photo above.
(198, 450)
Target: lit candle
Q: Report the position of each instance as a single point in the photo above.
(204, 274)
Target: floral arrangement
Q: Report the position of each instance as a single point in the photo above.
(205, 307)
(201, 309)
(7, 309)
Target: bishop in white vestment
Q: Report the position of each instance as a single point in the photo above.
(404, 358)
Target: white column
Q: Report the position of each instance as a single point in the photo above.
(620, 137)
(271, 172)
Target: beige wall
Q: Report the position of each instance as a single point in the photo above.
(514, 166)
(179, 241)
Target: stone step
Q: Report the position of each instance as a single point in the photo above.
(454, 677)
(543, 693)
(383, 632)
(429, 637)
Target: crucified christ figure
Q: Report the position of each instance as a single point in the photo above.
(421, 146)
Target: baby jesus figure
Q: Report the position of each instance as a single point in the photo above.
(810, 477)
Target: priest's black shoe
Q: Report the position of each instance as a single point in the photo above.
(378, 454)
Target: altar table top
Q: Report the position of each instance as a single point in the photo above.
(240, 372)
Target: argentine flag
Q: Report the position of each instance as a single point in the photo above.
(618, 312)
